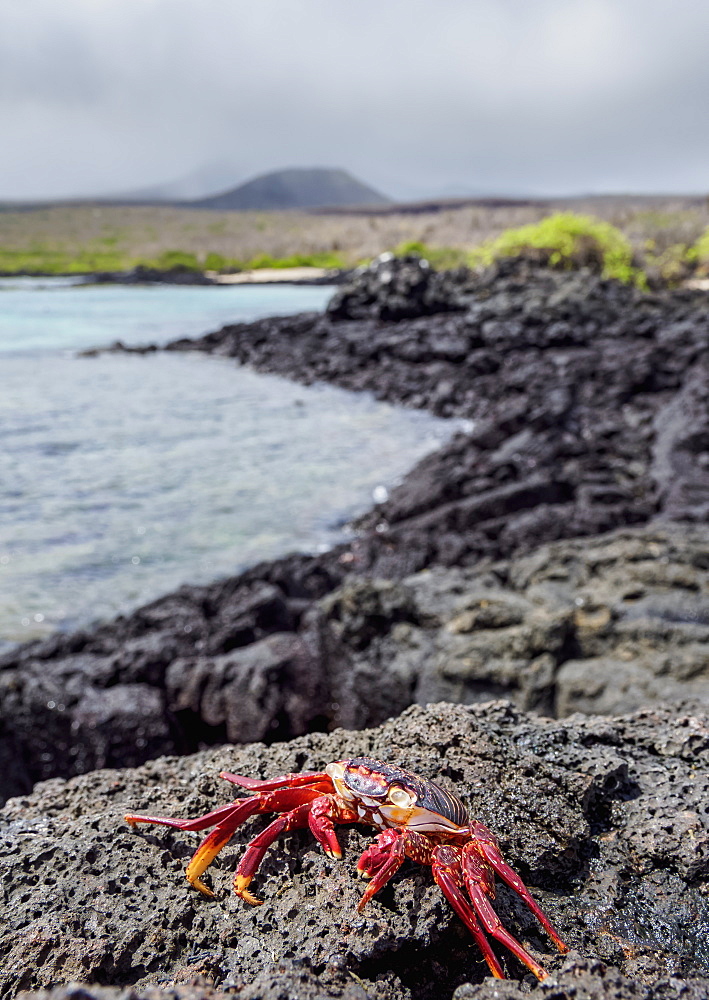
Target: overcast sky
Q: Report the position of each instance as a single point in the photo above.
(415, 97)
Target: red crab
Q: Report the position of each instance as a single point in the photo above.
(418, 819)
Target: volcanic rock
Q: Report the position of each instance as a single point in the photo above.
(393, 288)
(601, 626)
(604, 818)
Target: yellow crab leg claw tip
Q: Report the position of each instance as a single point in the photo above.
(204, 889)
(336, 855)
(240, 888)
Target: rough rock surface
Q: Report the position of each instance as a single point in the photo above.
(598, 626)
(605, 818)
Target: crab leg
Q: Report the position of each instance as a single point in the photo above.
(285, 781)
(477, 878)
(445, 866)
(387, 854)
(486, 845)
(255, 850)
(200, 823)
(226, 820)
(323, 812)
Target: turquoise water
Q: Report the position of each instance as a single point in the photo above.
(58, 312)
(123, 476)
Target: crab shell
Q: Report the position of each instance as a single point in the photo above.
(389, 796)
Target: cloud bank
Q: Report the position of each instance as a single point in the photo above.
(415, 97)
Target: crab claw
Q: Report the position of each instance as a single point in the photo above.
(241, 883)
(377, 854)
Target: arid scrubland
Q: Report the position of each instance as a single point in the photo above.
(115, 236)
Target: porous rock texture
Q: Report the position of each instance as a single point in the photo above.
(607, 819)
(590, 404)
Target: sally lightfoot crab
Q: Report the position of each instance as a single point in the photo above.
(417, 819)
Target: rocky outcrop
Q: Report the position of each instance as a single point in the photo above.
(604, 818)
(394, 288)
(596, 626)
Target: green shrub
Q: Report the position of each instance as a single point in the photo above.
(567, 240)
(670, 265)
(48, 260)
(216, 262)
(325, 259)
(441, 258)
(173, 259)
(699, 253)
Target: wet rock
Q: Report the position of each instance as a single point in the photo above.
(604, 818)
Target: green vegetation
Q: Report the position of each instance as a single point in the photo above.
(324, 259)
(670, 264)
(661, 240)
(699, 253)
(173, 260)
(55, 260)
(41, 259)
(441, 258)
(568, 240)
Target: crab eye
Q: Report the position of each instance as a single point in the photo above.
(400, 797)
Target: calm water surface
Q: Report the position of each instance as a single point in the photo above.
(122, 477)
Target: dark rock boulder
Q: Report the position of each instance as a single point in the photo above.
(604, 818)
(394, 288)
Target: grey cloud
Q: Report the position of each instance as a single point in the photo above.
(411, 95)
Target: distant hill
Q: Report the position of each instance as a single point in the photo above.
(298, 187)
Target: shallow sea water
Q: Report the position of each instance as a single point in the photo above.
(124, 476)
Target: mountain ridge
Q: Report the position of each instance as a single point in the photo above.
(294, 188)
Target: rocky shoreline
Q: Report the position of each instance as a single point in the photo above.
(557, 556)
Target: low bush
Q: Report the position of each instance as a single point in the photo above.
(698, 255)
(442, 258)
(567, 240)
(325, 259)
(48, 260)
(170, 260)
